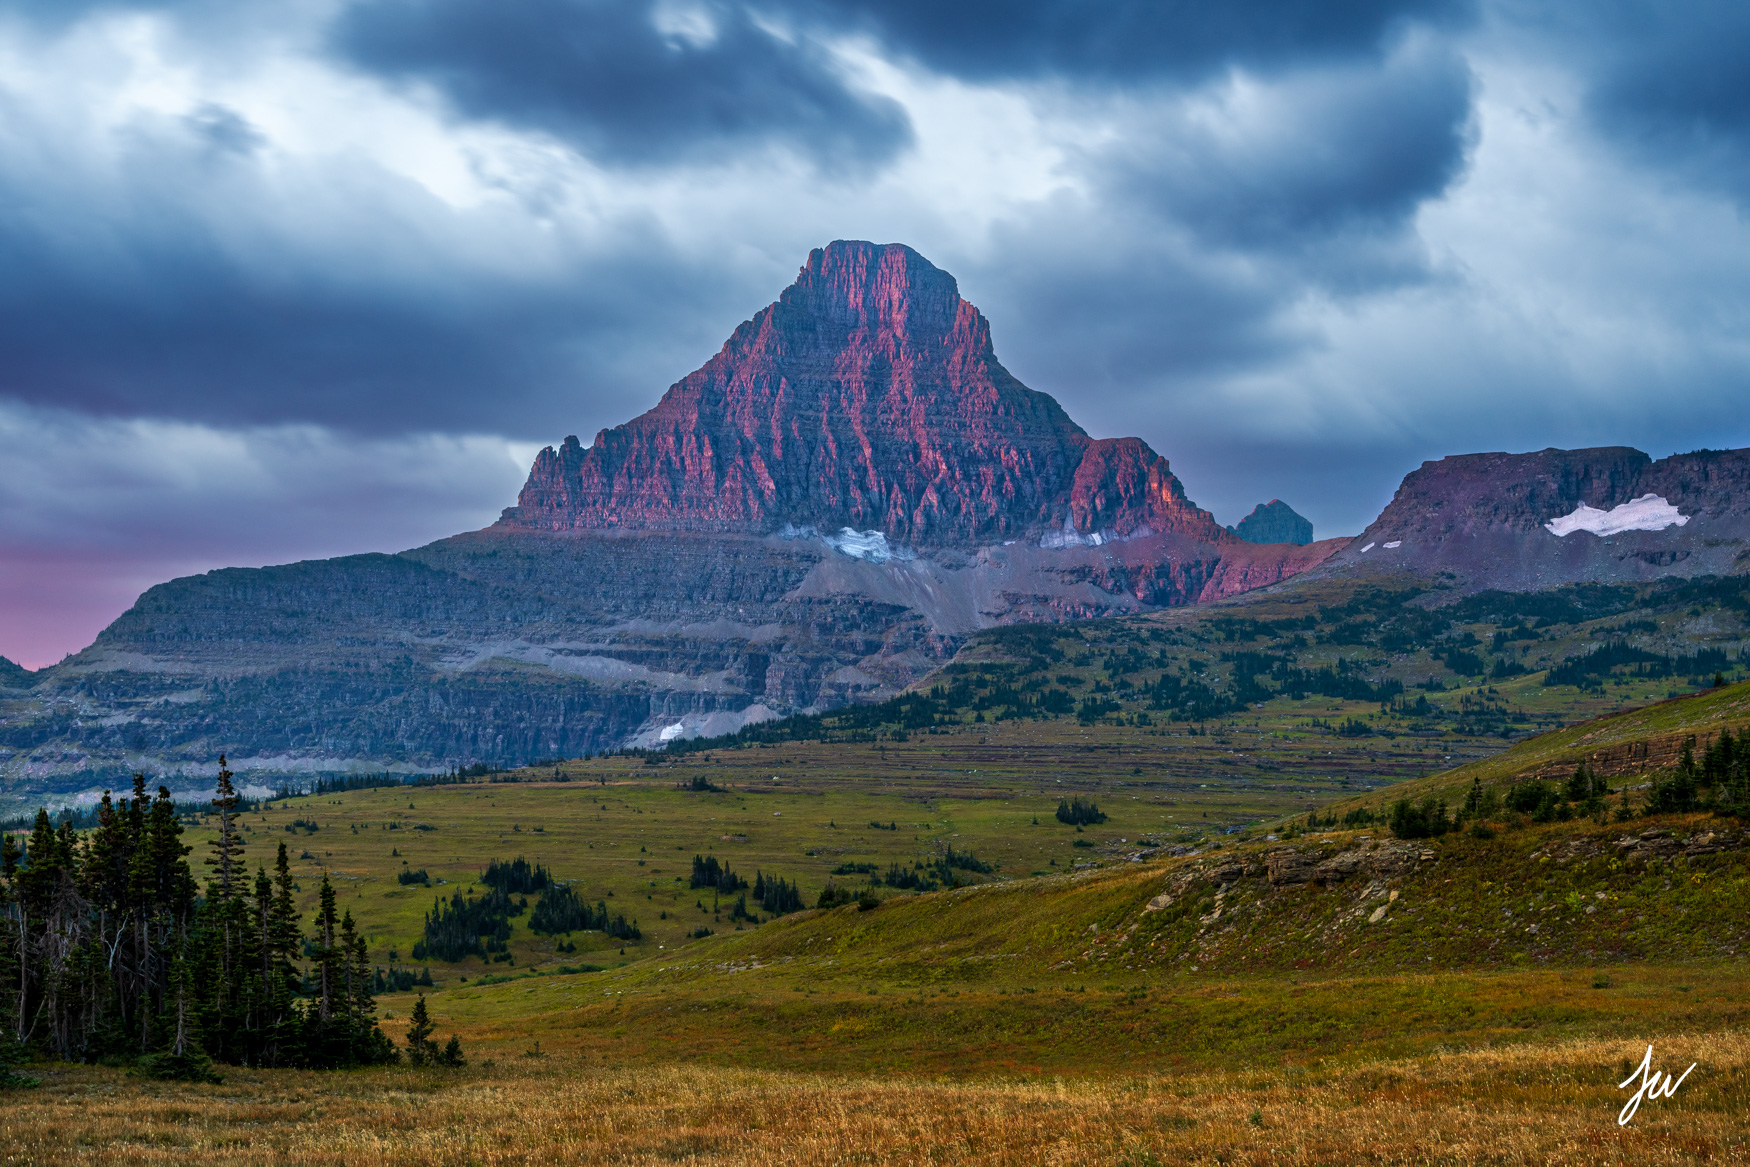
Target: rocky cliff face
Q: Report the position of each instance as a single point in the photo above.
(1525, 521)
(868, 396)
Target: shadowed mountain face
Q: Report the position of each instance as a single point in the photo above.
(821, 514)
(869, 397)
(1274, 522)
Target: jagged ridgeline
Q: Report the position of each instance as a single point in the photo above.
(1359, 642)
(114, 950)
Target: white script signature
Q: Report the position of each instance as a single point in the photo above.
(1654, 1084)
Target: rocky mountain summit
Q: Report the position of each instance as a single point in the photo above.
(1526, 521)
(1274, 522)
(868, 397)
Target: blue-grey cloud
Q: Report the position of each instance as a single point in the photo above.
(1129, 40)
(186, 279)
(625, 81)
(1335, 152)
(1670, 84)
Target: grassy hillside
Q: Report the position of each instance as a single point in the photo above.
(1627, 747)
(1332, 658)
(1529, 1101)
(1198, 959)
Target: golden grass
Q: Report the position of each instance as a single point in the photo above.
(1553, 1103)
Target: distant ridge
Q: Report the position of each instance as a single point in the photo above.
(13, 675)
(1521, 522)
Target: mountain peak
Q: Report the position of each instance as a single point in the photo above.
(1274, 522)
(883, 286)
(867, 396)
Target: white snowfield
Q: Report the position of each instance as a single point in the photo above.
(870, 545)
(1070, 537)
(1650, 512)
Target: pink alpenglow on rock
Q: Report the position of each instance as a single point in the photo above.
(868, 398)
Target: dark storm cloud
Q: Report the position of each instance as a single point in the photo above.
(1127, 40)
(185, 283)
(1334, 152)
(621, 82)
(1672, 83)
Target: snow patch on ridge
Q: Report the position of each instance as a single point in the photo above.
(1650, 512)
(1070, 537)
(656, 734)
(867, 545)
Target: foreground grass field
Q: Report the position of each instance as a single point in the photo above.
(1549, 1103)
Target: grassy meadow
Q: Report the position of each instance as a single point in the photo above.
(1546, 1102)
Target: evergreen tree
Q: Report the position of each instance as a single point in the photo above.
(420, 1047)
(227, 857)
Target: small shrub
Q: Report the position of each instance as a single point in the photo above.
(191, 1065)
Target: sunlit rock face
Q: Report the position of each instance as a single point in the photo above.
(1522, 521)
(868, 397)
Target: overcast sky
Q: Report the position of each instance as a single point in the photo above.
(320, 276)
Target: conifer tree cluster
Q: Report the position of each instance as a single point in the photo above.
(109, 948)
(459, 928)
(562, 910)
(517, 877)
(708, 872)
(1079, 811)
(1719, 782)
(779, 896)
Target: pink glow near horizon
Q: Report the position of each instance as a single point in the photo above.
(52, 605)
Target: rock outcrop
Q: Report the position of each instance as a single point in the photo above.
(1274, 522)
